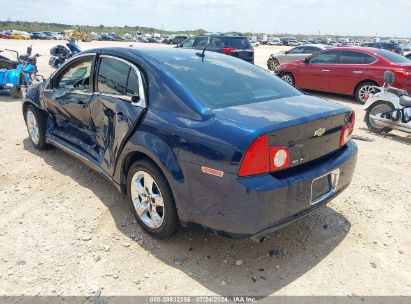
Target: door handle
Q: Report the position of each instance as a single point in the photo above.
(358, 72)
(325, 71)
(120, 117)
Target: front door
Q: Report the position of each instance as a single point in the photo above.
(116, 108)
(68, 103)
(315, 74)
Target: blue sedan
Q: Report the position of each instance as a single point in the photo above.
(196, 139)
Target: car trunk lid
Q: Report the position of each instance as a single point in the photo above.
(308, 127)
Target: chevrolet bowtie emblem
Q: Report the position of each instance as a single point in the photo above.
(320, 132)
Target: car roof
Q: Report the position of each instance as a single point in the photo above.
(314, 45)
(158, 54)
(353, 48)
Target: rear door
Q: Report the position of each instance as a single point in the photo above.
(316, 73)
(117, 107)
(352, 67)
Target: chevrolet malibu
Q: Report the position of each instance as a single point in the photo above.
(197, 139)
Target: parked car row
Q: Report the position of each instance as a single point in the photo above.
(22, 35)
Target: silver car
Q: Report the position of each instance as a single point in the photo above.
(297, 53)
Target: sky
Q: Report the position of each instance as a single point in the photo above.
(336, 17)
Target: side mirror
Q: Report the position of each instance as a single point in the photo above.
(307, 60)
(29, 50)
(389, 78)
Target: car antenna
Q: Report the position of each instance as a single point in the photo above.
(202, 55)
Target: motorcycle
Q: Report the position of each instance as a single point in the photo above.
(14, 80)
(60, 53)
(388, 109)
(7, 63)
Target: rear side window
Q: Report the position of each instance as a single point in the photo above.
(329, 57)
(116, 78)
(310, 50)
(200, 41)
(222, 82)
(237, 42)
(217, 42)
(352, 57)
(393, 57)
(297, 50)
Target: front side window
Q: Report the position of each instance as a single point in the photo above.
(297, 50)
(310, 50)
(77, 77)
(188, 43)
(116, 77)
(329, 57)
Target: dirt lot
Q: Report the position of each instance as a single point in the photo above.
(64, 230)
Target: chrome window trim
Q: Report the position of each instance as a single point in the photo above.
(75, 57)
(142, 103)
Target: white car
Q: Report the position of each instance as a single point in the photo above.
(57, 36)
(255, 43)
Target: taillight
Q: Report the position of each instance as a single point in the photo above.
(347, 131)
(402, 73)
(262, 158)
(228, 51)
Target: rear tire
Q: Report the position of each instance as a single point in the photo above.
(36, 122)
(288, 78)
(363, 90)
(377, 107)
(151, 199)
(272, 63)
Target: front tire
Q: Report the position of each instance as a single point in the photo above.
(288, 78)
(151, 199)
(36, 126)
(272, 63)
(377, 108)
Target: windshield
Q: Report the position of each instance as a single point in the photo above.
(221, 83)
(237, 42)
(393, 57)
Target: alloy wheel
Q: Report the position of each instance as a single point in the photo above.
(287, 78)
(365, 91)
(32, 127)
(147, 199)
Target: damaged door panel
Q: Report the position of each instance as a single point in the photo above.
(116, 107)
(69, 104)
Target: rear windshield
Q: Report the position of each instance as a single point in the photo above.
(221, 83)
(393, 57)
(237, 42)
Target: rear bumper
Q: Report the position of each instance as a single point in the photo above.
(254, 206)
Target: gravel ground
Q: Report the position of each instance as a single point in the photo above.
(64, 230)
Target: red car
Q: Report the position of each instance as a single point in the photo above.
(4, 35)
(347, 70)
